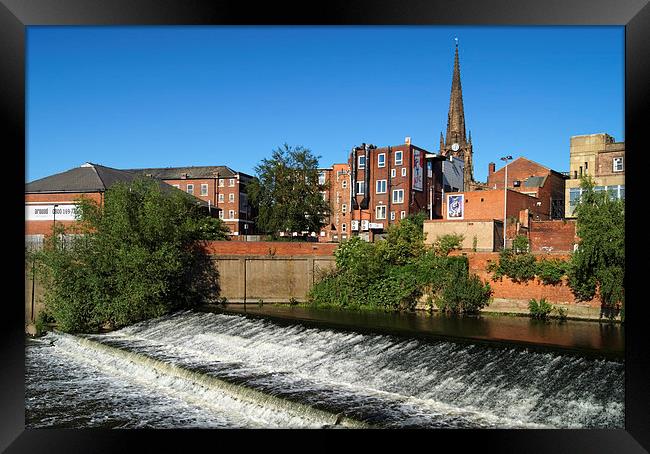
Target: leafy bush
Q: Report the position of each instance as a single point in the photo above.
(446, 243)
(551, 271)
(520, 244)
(464, 294)
(540, 310)
(140, 255)
(518, 267)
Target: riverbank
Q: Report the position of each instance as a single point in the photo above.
(579, 337)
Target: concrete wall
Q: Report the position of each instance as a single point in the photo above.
(486, 233)
(272, 279)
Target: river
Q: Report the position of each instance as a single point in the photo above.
(208, 369)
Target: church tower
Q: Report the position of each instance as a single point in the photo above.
(455, 142)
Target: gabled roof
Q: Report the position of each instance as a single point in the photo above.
(177, 173)
(91, 177)
(88, 177)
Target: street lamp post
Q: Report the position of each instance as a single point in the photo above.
(505, 198)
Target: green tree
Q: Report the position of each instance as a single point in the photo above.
(599, 262)
(138, 256)
(286, 193)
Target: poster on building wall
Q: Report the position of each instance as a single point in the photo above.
(46, 212)
(418, 170)
(455, 206)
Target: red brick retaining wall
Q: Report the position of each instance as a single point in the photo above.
(270, 248)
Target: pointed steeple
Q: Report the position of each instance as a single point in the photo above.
(456, 116)
(442, 142)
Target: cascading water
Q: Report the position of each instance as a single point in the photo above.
(215, 370)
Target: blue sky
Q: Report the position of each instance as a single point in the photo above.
(129, 97)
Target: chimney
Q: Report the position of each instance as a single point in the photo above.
(491, 168)
(407, 140)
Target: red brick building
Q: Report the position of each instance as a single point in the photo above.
(219, 186)
(388, 184)
(529, 177)
(52, 200)
(335, 187)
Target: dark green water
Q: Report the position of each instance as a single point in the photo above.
(586, 338)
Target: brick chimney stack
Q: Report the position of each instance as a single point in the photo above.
(491, 168)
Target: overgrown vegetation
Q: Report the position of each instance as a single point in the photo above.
(393, 274)
(140, 255)
(542, 309)
(598, 266)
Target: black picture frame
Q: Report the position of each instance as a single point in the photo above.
(15, 15)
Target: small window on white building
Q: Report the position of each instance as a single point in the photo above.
(617, 164)
(231, 198)
(204, 189)
(398, 195)
(381, 187)
(381, 160)
(190, 189)
(362, 162)
(393, 173)
(398, 158)
(380, 212)
(403, 171)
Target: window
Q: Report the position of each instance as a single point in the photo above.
(221, 198)
(204, 189)
(381, 187)
(344, 184)
(381, 212)
(398, 158)
(398, 195)
(221, 182)
(393, 172)
(402, 214)
(321, 178)
(231, 182)
(392, 215)
(231, 214)
(344, 208)
(381, 160)
(361, 187)
(220, 214)
(231, 198)
(403, 171)
(344, 227)
(362, 162)
(190, 189)
(617, 164)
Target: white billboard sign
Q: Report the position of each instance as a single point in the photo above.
(376, 225)
(64, 212)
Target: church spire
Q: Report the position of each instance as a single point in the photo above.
(456, 116)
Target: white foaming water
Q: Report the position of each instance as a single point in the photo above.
(383, 380)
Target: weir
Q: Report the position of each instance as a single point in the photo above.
(255, 373)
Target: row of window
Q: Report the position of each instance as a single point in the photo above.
(398, 194)
(615, 192)
(381, 160)
(231, 214)
(380, 214)
(617, 166)
(204, 192)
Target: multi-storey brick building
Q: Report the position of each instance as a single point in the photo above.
(387, 184)
(534, 179)
(52, 200)
(335, 187)
(599, 156)
(219, 186)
